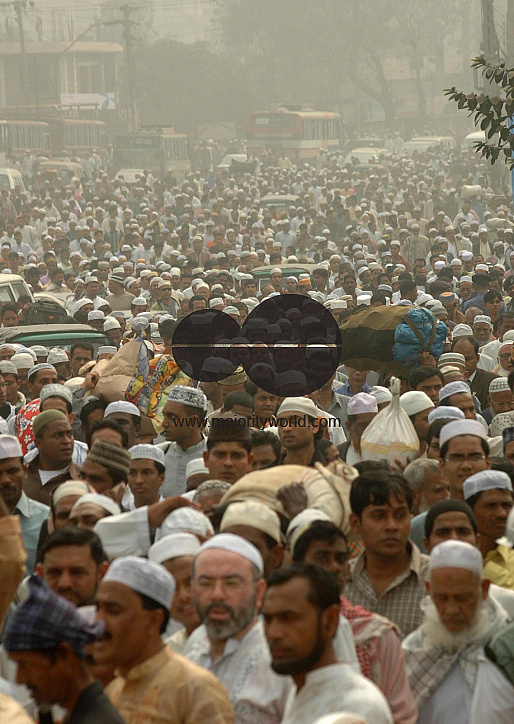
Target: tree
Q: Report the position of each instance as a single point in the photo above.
(494, 114)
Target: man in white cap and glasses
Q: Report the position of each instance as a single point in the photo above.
(418, 405)
(152, 683)
(463, 450)
(500, 399)
(490, 497)
(228, 589)
(362, 408)
(183, 423)
(442, 656)
(301, 618)
(176, 553)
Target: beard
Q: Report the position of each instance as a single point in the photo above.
(238, 621)
(438, 636)
(301, 666)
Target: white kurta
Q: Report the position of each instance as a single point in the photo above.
(336, 688)
(493, 699)
(451, 701)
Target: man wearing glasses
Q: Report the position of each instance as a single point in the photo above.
(464, 450)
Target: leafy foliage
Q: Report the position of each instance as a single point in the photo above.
(493, 114)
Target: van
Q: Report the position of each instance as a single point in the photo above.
(12, 287)
(11, 177)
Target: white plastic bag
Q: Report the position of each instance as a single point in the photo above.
(391, 435)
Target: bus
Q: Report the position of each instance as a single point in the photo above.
(16, 137)
(161, 151)
(76, 136)
(298, 134)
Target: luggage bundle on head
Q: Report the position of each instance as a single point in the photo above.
(46, 311)
(369, 339)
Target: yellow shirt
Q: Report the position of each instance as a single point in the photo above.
(499, 566)
(168, 689)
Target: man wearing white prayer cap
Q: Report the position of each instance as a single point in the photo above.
(500, 399)
(128, 416)
(90, 508)
(145, 476)
(382, 395)
(63, 499)
(489, 495)
(259, 525)
(418, 405)
(445, 412)
(458, 394)
(362, 408)
(442, 656)
(302, 615)
(228, 589)
(185, 442)
(299, 430)
(152, 683)
(463, 450)
(196, 473)
(31, 513)
(176, 553)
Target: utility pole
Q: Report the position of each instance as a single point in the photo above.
(129, 65)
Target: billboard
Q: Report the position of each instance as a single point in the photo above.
(99, 101)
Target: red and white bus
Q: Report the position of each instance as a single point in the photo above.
(300, 134)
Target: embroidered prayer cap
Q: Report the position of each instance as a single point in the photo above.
(143, 576)
(56, 356)
(191, 396)
(238, 377)
(453, 388)
(109, 455)
(461, 427)
(415, 401)
(122, 406)
(45, 619)
(186, 520)
(40, 350)
(456, 554)
(172, 546)
(486, 480)
(37, 368)
(445, 413)
(234, 544)
(10, 447)
(451, 358)
(55, 391)
(45, 418)
(484, 319)
(361, 404)
(147, 452)
(499, 384)
(254, 514)
(102, 501)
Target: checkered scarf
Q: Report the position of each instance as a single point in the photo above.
(427, 667)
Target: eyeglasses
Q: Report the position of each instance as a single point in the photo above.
(459, 459)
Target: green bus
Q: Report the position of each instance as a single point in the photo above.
(161, 152)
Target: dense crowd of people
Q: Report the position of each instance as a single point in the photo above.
(229, 552)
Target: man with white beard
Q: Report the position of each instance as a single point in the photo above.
(442, 656)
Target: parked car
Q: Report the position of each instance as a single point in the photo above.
(54, 335)
(11, 177)
(12, 287)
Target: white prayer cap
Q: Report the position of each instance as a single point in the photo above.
(23, 361)
(482, 267)
(231, 310)
(95, 314)
(56, 355)
(462, 330)
(122, 406)
(453, 388)
(451, 358)
(483, 318)
(186, 520)
(499, 384)
(111, 323)
(415, 401)
(106, 349)
(362, 403)
(216, 302)
(191, 396)
(85, 300)
(381, 394)
(10, 447)
(55, 391)
(253, 514)
(102, 501)
(486, 480)
(456, 554)
(234, 544)
(342, 718)
(461, 427)
(443, 412)
(39, 350)
(466, 255)
(143, 576)
(147, 452)
(301, 405)
(174, 546)
(194, 467)
(308, 515)
(439, 265)
(70, 487)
